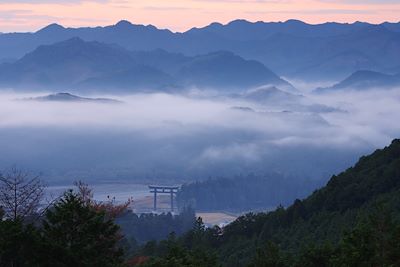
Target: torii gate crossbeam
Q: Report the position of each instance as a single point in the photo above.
(158, 189)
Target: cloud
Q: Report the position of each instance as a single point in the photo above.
(23, 16)
(162, 136)
(168, 8)
(64, 2)
(246, 1)
(316, 11)
(362, 2)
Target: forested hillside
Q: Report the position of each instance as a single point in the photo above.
(352, 221)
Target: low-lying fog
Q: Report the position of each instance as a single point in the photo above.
(174, 138)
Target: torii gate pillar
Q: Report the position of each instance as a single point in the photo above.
(171, 190)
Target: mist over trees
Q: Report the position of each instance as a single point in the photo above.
(244, 193)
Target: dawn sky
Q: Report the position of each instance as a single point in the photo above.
(180, 15)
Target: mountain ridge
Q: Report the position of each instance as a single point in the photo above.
(364, 80)
(76, 64)
(289, 48)
(67, 97)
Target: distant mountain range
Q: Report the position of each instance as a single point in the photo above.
(365, 80)
(75, 64)
(271, 98)
(270, 95)
(294, 49)
(67, 97)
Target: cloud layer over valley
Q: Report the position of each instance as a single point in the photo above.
(196, 135)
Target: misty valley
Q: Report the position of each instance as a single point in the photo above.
(280, 139)
(286, 143)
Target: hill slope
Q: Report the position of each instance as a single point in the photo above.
(349, 222)
(328, 212)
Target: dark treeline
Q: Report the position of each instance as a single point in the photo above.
(141, 228)
(373, 241)
(244, 193)
(353, 221)
(74, 229)
(70, 233)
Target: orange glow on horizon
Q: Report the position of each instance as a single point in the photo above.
(181, 15)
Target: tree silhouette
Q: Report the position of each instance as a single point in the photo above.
(79, 235)
(20, 194)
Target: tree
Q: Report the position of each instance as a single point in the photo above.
(20, 194)
(270, 256)
(316, 255)
(76, 234)
(110, 207)
(1, 213)
(20, 244)
(373, 242)
(179, 256)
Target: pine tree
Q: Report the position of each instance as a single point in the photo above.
(79, 235)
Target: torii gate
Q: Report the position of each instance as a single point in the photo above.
(171, 190)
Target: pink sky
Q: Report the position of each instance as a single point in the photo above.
(180, 15)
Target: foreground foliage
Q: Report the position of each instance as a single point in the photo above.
(70, 234)
(352, 221)
(141, 228)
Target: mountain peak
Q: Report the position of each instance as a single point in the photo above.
(239, 22)
(215, 25)
(51, 28)
(295, 21)
(123, 23)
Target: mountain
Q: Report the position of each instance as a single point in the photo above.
(337, 66)
(221, 69)
(214, 70)
(292, 49)
(123, 33)
(245, 30)
(78, 65)
(364, 80)
(67, 97)
(272, 98)
(270, 95)
(392, 26)
(161, 59)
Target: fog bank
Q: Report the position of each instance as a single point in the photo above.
(164, 137)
